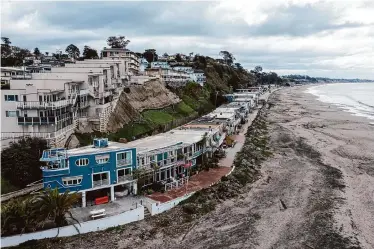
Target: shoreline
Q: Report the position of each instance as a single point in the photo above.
(309, 89)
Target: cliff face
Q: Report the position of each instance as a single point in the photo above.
(152, 95)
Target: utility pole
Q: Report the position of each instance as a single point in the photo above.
(215, 102)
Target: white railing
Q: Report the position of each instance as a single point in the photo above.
(176, 183)
(124, 178)
(64, 130)
(26, 76)
(14, 135)
(123, 162)
(84, 92)
(43, 105)
(100, 183)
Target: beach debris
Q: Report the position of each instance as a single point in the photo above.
(283, 204)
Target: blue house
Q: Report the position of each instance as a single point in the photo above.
(94, 171)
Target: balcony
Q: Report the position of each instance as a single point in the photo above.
(55, 172)
(43, 105)
(123, 162)
(84, 92)
(36, 120)
(125, 178)
(99, 183)
(21, 77)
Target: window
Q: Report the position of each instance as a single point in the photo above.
(101, 159)
(11, 113)
(11, 97)
(124, 172)
(100, 179)
(72, 180)
(82, 162)
(123, 158)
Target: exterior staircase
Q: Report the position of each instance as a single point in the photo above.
(146, 213)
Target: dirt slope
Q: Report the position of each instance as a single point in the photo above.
(153, 95)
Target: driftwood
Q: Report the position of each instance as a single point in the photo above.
(283, 205)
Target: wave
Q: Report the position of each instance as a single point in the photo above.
(347, 98)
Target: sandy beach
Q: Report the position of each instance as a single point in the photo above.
(315, 192)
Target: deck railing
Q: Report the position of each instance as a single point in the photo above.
(123, 162)
(43, 105)
(125, 178)
(100, 183)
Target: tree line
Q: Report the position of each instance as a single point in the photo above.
(13, 56)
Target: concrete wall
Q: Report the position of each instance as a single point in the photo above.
(157, 207)
(85, 227)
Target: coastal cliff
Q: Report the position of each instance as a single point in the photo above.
(153, 95)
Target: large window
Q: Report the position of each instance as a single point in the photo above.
(100, 179)
(123, 158)
(11, 113)
(124, 174)
(11, 97)
(101, 159)
(68, 181)
(82, 162)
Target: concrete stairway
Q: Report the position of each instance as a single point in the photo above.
(146, 213)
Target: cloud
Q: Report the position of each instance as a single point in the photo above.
(325, 38)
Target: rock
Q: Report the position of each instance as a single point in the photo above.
(74, 142)
(122, 140)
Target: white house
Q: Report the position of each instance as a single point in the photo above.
(123, 54)
(52, 104)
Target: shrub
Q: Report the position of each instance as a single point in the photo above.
(224, 178)
(189, 208)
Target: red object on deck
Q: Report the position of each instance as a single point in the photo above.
(101, 200)
(187, 165)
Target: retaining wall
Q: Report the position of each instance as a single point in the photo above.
(84, 227)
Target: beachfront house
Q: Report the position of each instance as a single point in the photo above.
(95, 171)
(105, 169)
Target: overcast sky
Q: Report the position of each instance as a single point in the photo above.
(319, 38)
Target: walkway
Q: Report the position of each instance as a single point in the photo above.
(228, 161)
(197, 182)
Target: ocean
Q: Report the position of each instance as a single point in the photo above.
(356, 98)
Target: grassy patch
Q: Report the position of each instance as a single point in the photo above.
(157, 116)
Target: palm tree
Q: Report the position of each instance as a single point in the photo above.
(18, 216)
(55, 206)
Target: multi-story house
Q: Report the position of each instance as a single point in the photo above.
(8, 73)
(51, 105)
(197, 76)
(33, 108)
(143, 65)
(169, 77)
(160, 64)
(94, 171)
(130, 57)
(105, 168)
